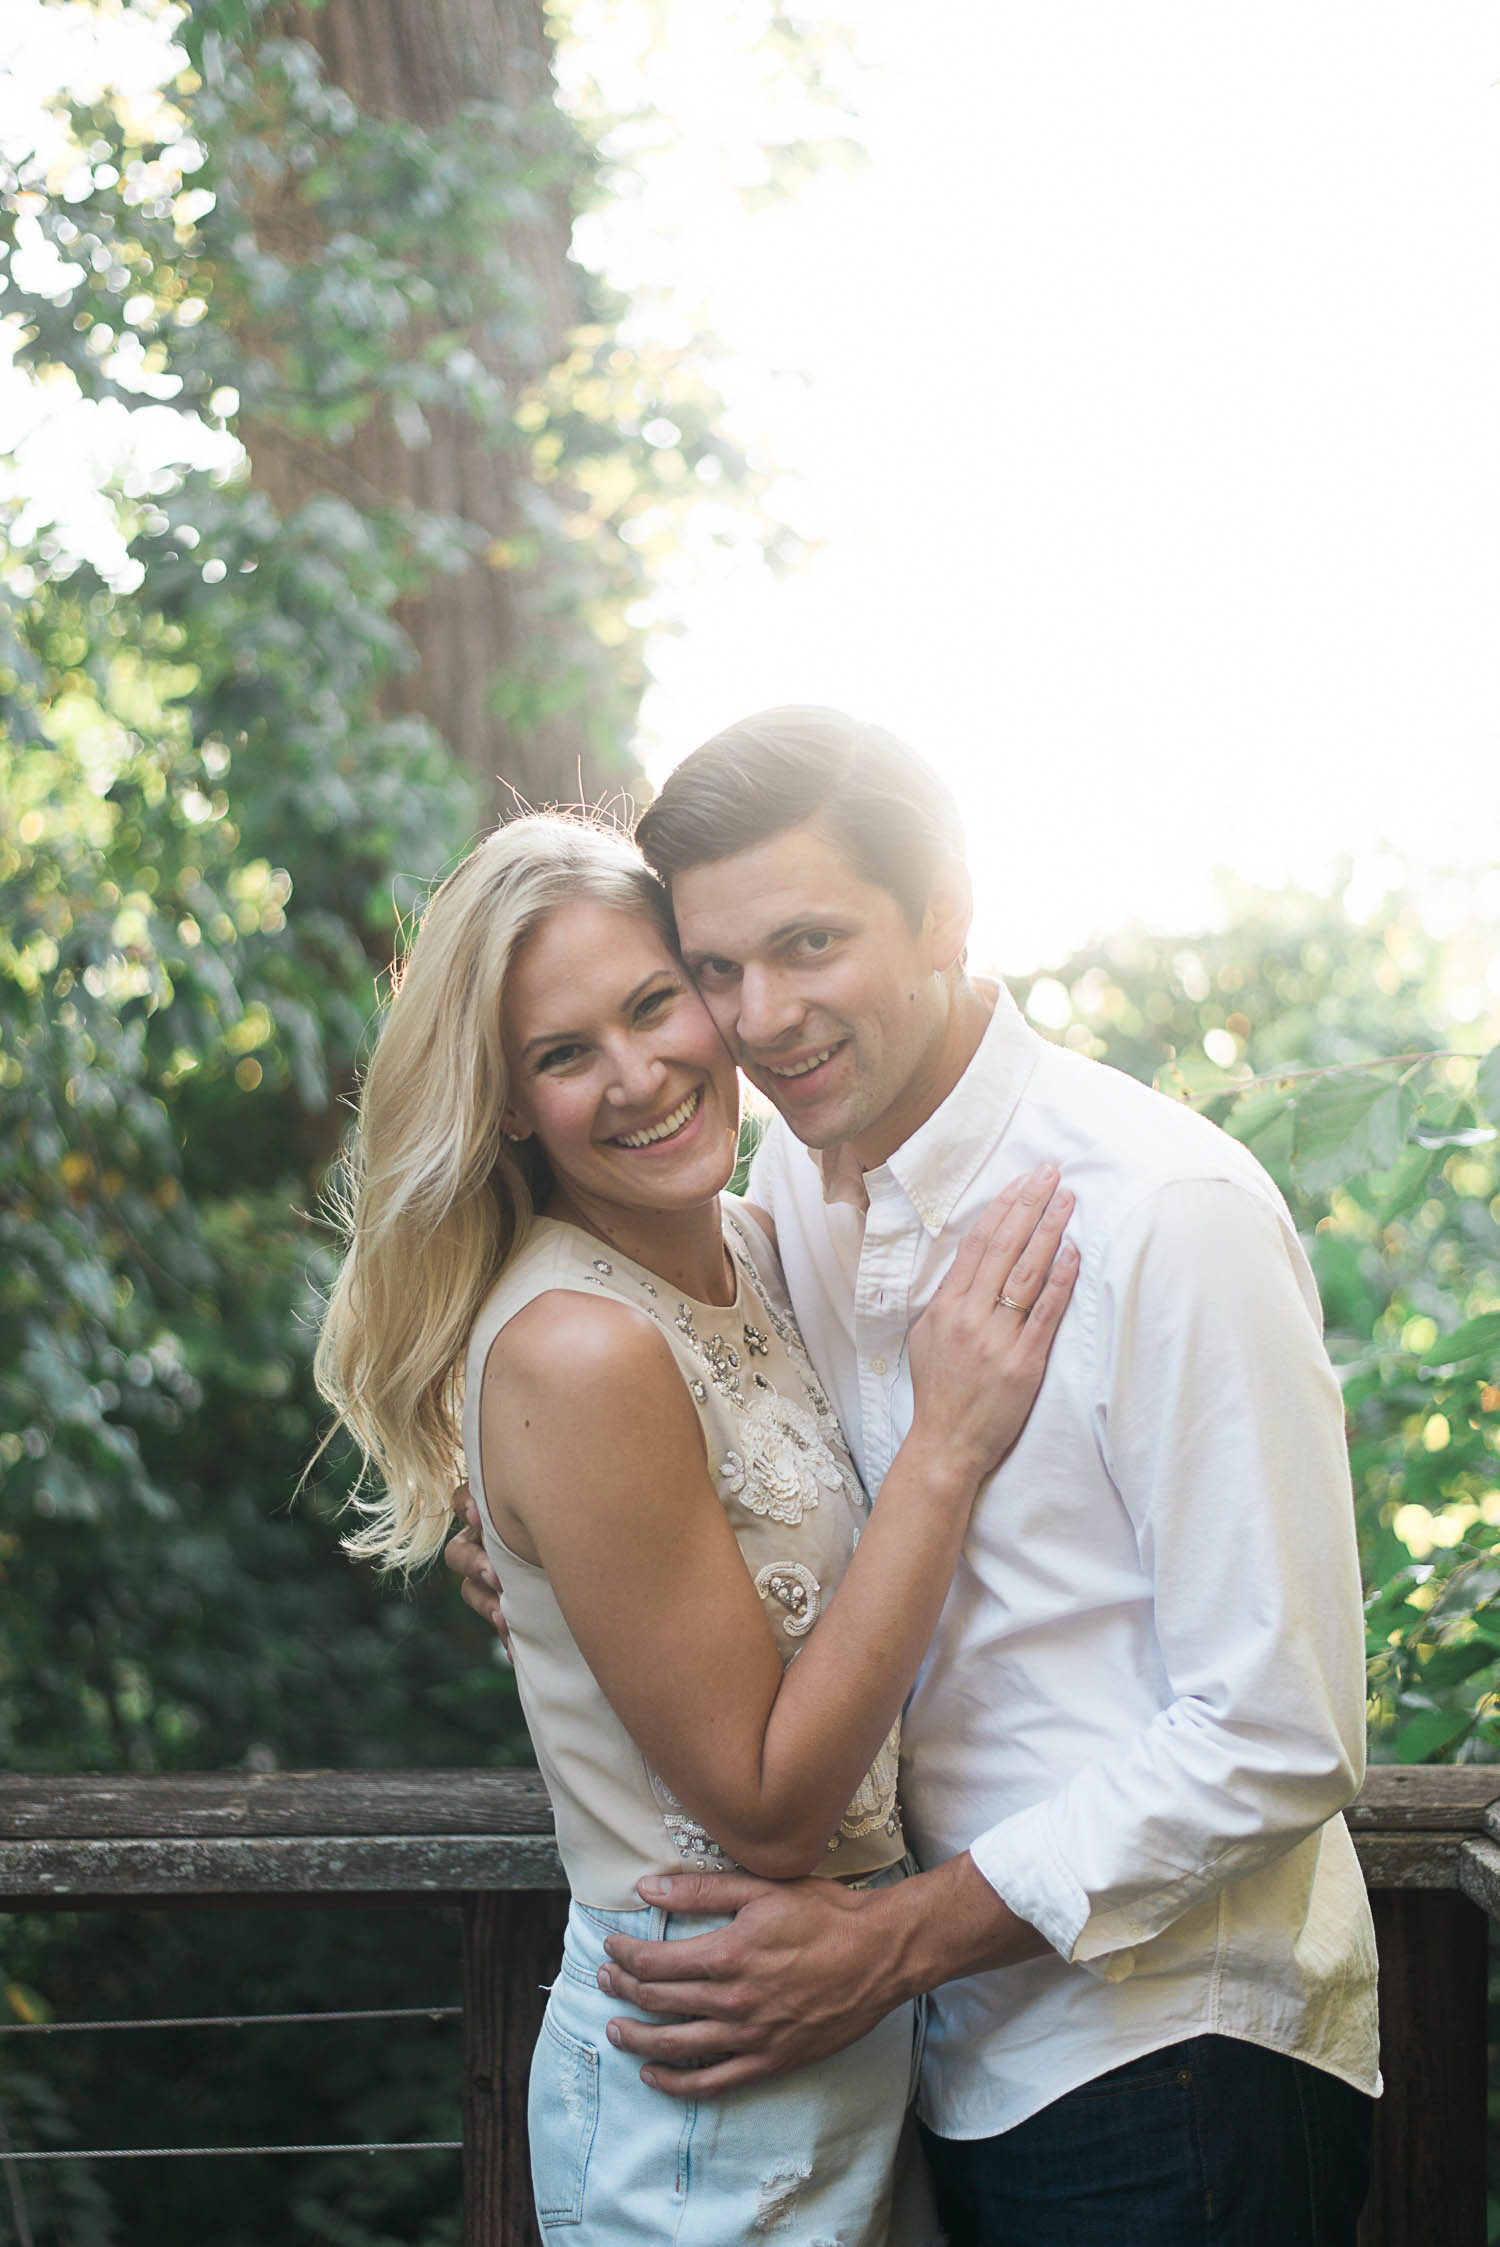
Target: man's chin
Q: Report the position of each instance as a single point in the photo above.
(816, 1127)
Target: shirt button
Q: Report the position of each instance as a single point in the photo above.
(878, 1365)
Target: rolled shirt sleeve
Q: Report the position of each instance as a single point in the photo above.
(1221, 1424)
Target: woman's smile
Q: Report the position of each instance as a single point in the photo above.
(671, 1127)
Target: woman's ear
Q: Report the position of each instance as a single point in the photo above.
(950, 911)
(508, 1123)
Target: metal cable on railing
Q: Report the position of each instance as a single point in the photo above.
(11, 2154)
(237, 2020)
(199, 2153)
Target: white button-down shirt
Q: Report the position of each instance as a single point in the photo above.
(1144, 1704)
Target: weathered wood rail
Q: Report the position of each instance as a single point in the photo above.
(481, 1842)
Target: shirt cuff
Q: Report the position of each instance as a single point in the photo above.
(1022, 1862)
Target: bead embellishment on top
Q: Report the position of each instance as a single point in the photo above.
(694, 1844)
(723, 1361)
(755, 1342)
(796, 1589)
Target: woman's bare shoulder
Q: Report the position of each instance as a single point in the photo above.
(565, 1337)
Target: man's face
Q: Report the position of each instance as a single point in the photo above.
(830, 1002)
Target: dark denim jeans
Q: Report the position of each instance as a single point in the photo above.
(1210, 2143)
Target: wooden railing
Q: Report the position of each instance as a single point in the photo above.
(481, 1842)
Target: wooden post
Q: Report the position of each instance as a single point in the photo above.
(512, 1944)
(1427, 2188)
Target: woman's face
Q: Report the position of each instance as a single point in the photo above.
(615, 1064)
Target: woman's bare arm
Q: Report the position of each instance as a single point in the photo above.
(617, 1501)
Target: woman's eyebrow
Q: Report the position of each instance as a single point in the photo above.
(561, 1037)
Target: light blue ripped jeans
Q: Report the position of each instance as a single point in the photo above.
(806, 2160)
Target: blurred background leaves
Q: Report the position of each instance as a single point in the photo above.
(378, 556)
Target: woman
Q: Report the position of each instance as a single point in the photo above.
(540, 1265)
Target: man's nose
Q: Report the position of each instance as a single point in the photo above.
(769, 1008)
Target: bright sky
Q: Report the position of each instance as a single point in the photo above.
(1151, 427)
(1141, 390)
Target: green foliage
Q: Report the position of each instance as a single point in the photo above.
(1390, 1163)
(211, 824)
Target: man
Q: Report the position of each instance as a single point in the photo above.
(1140, 1917)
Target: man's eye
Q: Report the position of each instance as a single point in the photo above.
(812, 941)
(715, 971)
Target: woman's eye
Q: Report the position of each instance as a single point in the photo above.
(558, 1056)
(654, 1001)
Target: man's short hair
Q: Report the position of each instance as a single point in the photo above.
(802, 765)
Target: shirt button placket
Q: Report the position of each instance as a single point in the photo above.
(878, 1314)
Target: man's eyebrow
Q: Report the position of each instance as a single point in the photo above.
(693, 954)
(562, 1037)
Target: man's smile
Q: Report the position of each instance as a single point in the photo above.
(790, 1069)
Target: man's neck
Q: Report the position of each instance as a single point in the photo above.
(963, 1033)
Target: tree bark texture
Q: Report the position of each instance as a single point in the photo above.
(426, 61)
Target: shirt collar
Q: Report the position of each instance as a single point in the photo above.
(941, 1159)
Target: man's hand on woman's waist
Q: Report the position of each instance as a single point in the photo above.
(805, 1968)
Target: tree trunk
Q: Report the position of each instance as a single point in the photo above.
(495, 673)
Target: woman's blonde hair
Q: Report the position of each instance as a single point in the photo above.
(433, 1196)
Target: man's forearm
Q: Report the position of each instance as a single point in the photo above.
(943, 1925)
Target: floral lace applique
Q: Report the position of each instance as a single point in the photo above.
(784, 1462)
(874, 1806)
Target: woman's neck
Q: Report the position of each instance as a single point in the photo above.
(684, 1247)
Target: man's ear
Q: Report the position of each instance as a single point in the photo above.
(950, 911)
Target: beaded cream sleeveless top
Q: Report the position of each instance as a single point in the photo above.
(793, 1499)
